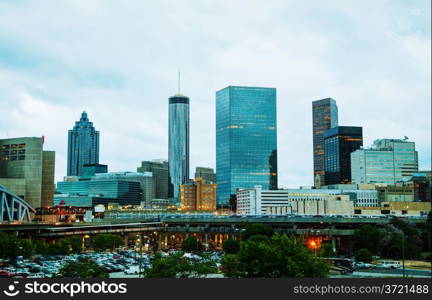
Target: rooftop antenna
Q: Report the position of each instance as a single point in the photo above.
(179, 82)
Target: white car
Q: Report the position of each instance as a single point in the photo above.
(390, 264)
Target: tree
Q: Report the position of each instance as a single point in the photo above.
(178, 266)
(9, 246)
(279, 257)
(257, 229)
(40, 247)
(76, 244)
(393, 245)
(412, 237)
(191, 244)
(327, 250)
(26, 248)
(82, 269)
(363, 255)
(231, 246)
(230, 266)
(369, 237)
(105, 241)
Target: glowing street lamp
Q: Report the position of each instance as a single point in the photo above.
(313, 244)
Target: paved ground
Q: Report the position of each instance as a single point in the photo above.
(122, 275)
(379, 273)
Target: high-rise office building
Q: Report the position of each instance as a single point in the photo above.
(339, 142)
(324, 116)
(246, 140)
(159, 169)
(207, 174)
(83, 146)
(386, 161)
(178, 143)
(27, 170)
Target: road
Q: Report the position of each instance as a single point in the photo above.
(379, 273)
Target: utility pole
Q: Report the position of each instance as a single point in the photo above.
(403, 254)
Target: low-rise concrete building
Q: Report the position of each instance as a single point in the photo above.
(395, 208)
(292, 201)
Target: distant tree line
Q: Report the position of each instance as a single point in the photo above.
(397, 239)
(11, 246)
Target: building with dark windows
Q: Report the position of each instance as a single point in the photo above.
(83, 146)
(178, 143)
(207, 174)
(159, 169)
(246, 140)
(324, 116)
(422, 186)
(339, 142)
(27, 170)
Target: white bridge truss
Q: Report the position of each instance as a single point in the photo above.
(13, 208)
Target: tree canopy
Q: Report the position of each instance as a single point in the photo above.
(82, 269)
(178, 266)
(280, 256)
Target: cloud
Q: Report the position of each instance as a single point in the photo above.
(119, 62)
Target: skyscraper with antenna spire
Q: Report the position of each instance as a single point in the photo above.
(178, 141)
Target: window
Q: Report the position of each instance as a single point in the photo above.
(21, 146)
(14, 146)
(13, 158)
(21, 157)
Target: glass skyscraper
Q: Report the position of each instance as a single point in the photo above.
(83, 146)
(339, 142)
(324, 116)
(246, 140)
(387, 161)
(178, 143)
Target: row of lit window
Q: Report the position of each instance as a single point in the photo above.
(13, 146)
(13, 158)
(7, 152)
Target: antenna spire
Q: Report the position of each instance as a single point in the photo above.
(179, 81)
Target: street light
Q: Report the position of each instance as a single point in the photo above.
(313, 244)
(403, 254)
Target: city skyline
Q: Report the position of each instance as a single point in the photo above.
(50, 80)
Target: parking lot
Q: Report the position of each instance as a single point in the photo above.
(119, 264)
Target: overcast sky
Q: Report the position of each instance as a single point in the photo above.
(118, 60)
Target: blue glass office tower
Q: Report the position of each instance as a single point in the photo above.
(246, 142)
(178, 144)
(83, 146)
